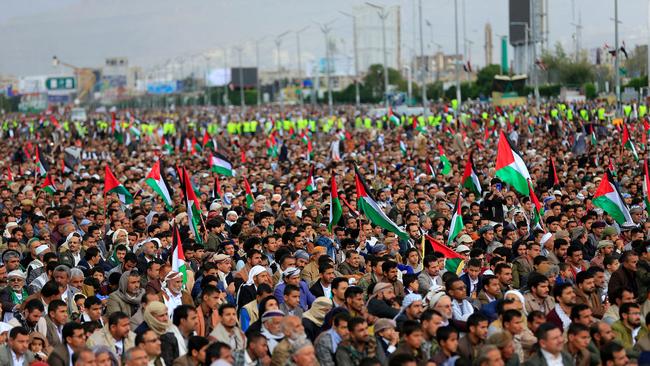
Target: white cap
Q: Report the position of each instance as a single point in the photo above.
(462, 248)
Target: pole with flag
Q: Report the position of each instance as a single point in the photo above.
(628, 143)
(610, 200)
(538, 209)
(372, 211)
(335, 204)
(470, 178)
(510, 167)
(112, 185)
(193, 208)
(446, 165)
(454, 262)
(552, 180)
(155, 181)
(249, 194)
(456, 221)
(48, 185)
(311, 183)
(178, 256)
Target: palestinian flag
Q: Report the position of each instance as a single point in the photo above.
(456, 222)
(446, 165)
(628, 143)
(594, 141)
(208, 142)
(155, 181)
(10, 176)
(646, 130)
(112, 185)
(609, 199)
(454, 262)
(430, 169)
(249, 194)
(272, 146)
(311, 184)
(394, 117)
(221, 165)
(646, 186)
(193, 208)
(48, 185)
(116, 129)
(403, 148)
(552, 180)
(178, 257)
(196, 147)
(511, 167)
(216, 188)
(166, 145)
(335, 204)
(310, 151)
(372, 211)
(54, 121)
(538, 209)
(40, 164)
(470, 179)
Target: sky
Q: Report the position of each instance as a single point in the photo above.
(151, 32)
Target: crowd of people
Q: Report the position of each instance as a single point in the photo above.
(256, 267)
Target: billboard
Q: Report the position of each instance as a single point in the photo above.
(340, 66)
(218, 77)
(162, 87)
(32, 84)
(249, 76)
(519, 12)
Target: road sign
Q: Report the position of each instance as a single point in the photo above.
(61, 83)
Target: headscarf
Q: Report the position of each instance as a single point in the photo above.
(408, 300)
(156, 307)
(116, 233)
(254, 272)
(124, 295)
(521, 299)
(321, 306)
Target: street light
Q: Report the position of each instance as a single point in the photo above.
(278, 41)
(422, 63)
(326, 29)
(356, 57)
(458, 95)
(300, 62)
(381, 11)
(241, 81)
(257, 64)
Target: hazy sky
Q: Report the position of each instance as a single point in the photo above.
(149, 32)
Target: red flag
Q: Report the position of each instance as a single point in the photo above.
(113, 122)
(54, 121)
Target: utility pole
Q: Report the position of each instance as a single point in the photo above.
(457, 68)
(326, 29)
(300, 62)
(381, 11)
(241, 82)
(257, 62)
(422, 64)
(225, 84)
(356, 58)
(278, 41)
(616, 60)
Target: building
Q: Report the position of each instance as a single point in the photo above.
(440, 67)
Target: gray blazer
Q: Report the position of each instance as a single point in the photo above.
(6, 360)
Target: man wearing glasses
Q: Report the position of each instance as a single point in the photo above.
(150, 343)
(74, 340)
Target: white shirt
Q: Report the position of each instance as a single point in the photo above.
(70, 352)
(566, 320)
(248, 361)
(327, 291)
(119, 347)
(552, 360)
(635, 333)
(17, 360)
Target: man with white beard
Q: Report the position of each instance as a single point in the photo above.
(293, 332)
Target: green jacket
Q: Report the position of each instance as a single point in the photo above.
(624, 334)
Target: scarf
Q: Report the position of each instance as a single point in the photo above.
(133, 300)
(319, 309)
(14, 298)
(272, 338)
(157, 308)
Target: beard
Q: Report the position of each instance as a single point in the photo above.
(297, 337)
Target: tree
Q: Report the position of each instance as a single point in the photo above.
(485, 77)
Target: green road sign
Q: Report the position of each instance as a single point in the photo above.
(61, 83)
